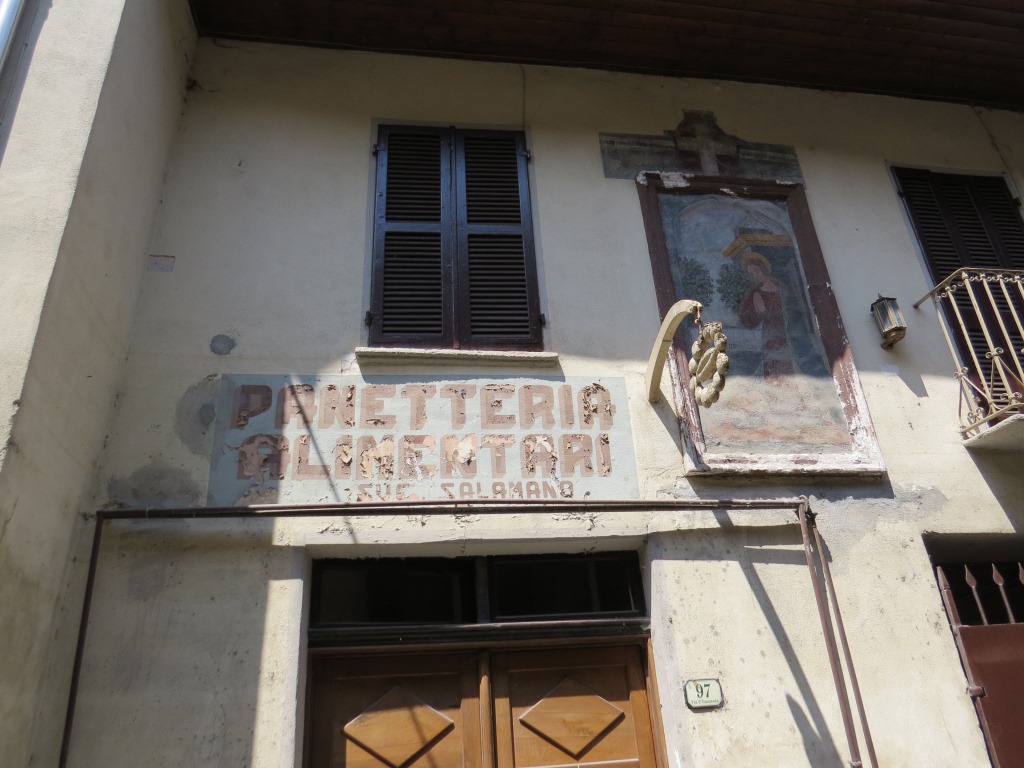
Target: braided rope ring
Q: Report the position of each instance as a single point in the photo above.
(708, 364)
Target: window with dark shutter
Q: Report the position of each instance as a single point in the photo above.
(453, 262)
(961, 222)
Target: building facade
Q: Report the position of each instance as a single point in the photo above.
(345, 354)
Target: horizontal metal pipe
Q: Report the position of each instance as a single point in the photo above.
(371, 508)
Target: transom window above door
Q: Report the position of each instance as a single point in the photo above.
(401, 601)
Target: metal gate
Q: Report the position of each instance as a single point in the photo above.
(985, 605)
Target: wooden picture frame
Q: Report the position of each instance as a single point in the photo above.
(862, 456)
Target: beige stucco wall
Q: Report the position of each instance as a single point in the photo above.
(266, 211)
(80, 178)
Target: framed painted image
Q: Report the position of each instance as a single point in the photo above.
(747, 251)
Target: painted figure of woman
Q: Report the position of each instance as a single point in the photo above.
(763, 308)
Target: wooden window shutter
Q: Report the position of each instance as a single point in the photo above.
(967, 222)
(453, 241)
(413, 259)
(963, 221)
(498, 301)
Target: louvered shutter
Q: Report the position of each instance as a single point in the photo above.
(414, 243)
(453, 241)
(498, 301)
(963, 221)
(966, 221)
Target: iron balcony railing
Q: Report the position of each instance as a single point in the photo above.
(981, 313)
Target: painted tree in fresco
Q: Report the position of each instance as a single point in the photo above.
(734, 285)
(697, 281)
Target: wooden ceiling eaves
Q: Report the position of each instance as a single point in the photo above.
(935, 49)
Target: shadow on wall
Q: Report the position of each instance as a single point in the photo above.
(180, 653)
(1001, 472)
(817, 740)
(762, 546)
(19, 59)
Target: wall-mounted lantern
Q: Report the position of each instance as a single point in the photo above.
(890, 320)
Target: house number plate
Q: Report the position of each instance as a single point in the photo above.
(703, 694)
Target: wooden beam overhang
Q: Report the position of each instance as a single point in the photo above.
(966, 51)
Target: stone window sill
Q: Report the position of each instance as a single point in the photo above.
(499, 358)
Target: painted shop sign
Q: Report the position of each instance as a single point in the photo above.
(311, 439)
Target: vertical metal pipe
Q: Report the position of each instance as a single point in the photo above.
(803, 512)
(869, 745)
(10, 12)
(76, 670)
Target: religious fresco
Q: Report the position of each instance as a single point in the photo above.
(739, 258)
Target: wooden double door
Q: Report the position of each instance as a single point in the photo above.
(544, 708)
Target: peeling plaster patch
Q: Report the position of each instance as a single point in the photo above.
(604, 454)
(668, 179)
(458, 457)
(539, 452)
(377, 455)
(157, 484)
(345, 454)
(906, 503)
(414, 447)
(158, 263)
(263, 457)
(595, 401)
(195, 413)
(257, 494)
(222, 344)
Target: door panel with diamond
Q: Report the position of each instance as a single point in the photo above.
(408, 711)
(551, 708)
(578, 707)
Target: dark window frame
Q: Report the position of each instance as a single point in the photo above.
(474, 253)
(481, 625)
(914, 184)
(966, 221)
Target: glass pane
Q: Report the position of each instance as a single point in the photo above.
(568, 585)
(412, 591)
